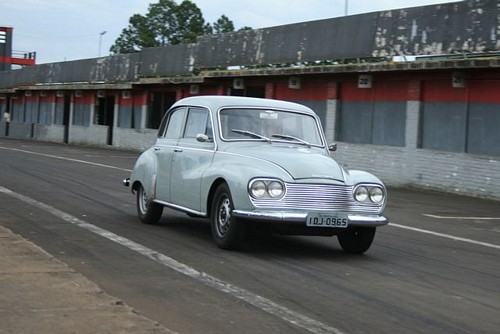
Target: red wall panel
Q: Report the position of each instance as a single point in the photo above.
(380, 91)
(309, 91)
(485, 91)
(86, 98)
(49, 98)
(134, 100)
(442, 91)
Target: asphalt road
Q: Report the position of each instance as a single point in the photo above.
(434, 269)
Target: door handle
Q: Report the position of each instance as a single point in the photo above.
(156, 148)
(177, 149)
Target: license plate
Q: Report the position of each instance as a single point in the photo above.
(337, 220)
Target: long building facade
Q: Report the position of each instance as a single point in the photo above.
(430, 122)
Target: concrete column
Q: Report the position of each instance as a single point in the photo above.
(70, 118)
(116, 109)
(144, 114)
(92, 111)
(331, 120)
(53, 110)
(332, 106)
(144, 110)
(412, 131)
(412, 124)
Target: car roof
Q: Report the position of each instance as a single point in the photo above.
(215, 102)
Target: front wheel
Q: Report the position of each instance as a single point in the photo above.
(357, 240)
(148, 211)
(227, 231)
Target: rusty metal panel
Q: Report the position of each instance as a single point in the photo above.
(467, 26)
(20, 77)
(48, 73)
(76, 71)
(117, 68)
(167, 61)
(307, 41)
(64, 72)
(6, 79)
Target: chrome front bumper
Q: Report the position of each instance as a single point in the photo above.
(355, 219)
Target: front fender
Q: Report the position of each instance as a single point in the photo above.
(144, 173)
(237, 174)
(359, 176)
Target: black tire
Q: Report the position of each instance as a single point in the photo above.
(148, 211)
(357, 240)
(227, 231)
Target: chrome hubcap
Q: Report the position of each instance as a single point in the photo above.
(224, 217)
(143, 200)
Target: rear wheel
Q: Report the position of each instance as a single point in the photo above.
(357, 240)
(227, 231)
(148, 211)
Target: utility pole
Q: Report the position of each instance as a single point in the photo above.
(100, 42)
(346, 8)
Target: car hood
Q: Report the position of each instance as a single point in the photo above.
(299, 161)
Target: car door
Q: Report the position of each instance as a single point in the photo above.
(191, 158)
(166, 144)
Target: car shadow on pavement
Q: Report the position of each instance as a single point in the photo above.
(259, 242)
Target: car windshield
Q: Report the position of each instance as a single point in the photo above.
(267, 125)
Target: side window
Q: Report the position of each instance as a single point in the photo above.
(171, 125)
(197, 122)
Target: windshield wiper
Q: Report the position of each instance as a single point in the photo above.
(251, 134)
(283, 136)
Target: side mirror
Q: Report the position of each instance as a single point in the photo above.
(202, 138)
(332, 147)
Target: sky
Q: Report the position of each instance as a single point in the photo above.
(64, 30)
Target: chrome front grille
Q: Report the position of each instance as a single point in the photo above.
(317, 197)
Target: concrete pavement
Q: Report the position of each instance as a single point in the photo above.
(40, 294)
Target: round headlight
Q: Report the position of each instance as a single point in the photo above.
(275, 189)
(361, 194)
(376, 195)
(258, 189)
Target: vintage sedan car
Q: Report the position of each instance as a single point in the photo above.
(255, 163)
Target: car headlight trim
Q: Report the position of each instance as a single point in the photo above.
(376, 194)
(275, 189)
(366, 194)
(361, 194)
(258, 189)
(271, 188)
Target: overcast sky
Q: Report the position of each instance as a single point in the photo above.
(60, 30)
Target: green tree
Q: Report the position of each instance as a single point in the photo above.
(135, 37)
(166, 23)
(161, 21)
(189, 24)
(223, 25)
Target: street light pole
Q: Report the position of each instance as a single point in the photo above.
(100, 42)
(346, 7)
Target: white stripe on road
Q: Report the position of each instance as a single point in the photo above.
(448, 236)
(259, 302)
(460, 217)
(64, 158)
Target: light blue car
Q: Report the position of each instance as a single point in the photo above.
(249, 163)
